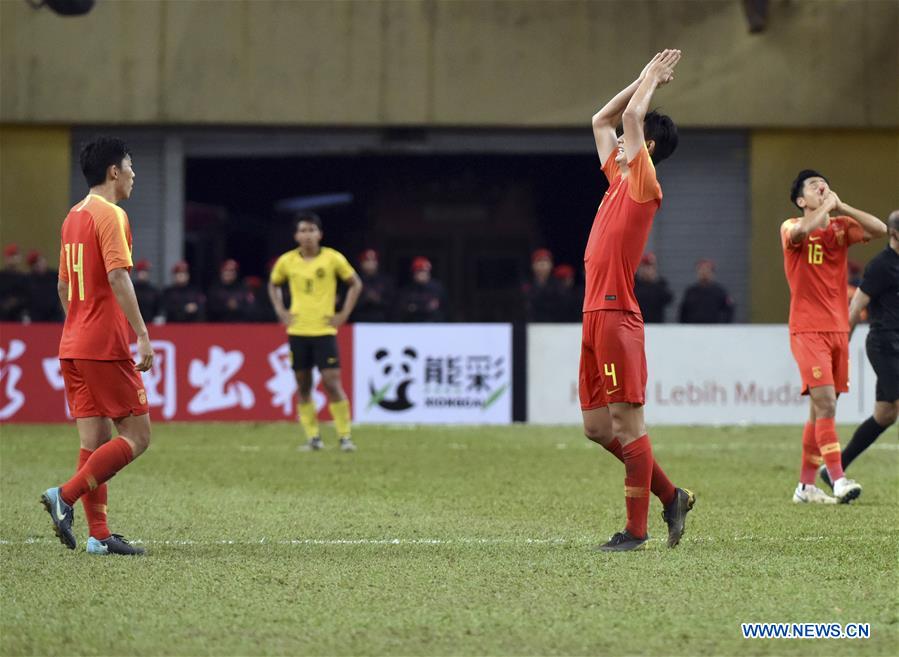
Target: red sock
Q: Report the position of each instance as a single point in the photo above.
(99, 468)
(94, 503)
(811, 455)
(637, 478)
(829, 444)
(661, 486)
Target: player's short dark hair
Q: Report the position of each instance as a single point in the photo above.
(98, 155)
(799, 183)
(661, 129)
(893, 220)
(308, 217)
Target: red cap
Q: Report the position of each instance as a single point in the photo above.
(230, 263)
(368, 254)
(11, 250)
(541, 254)
(180, 267)
(563, 271)
(142, 265)
(33, 256)
(649, 258)
(420, 263)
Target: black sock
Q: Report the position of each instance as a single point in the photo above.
(867, 433)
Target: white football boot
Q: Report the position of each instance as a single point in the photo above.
(811, 494)
(846, 490)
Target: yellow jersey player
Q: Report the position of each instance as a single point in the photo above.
(312, 271)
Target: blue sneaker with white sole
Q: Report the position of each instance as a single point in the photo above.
(115, 544)
(62, 516)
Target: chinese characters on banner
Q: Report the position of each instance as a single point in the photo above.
(436, 373)
(200, 372)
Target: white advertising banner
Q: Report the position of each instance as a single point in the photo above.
(432, 373)
(732, 374)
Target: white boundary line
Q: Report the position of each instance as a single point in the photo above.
(458, 541)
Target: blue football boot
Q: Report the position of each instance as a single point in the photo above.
(62, 516)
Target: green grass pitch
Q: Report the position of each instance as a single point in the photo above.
(442, 541)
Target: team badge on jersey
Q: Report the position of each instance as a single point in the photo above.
(816, 372)
(142, 396)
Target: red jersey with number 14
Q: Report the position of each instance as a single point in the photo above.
(816, 271)
(96, 238)
(619, 234)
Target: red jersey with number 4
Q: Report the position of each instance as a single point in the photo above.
(96, 238)
(618, 237)
(816, 272)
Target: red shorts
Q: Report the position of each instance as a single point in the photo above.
(103, 388)
(613, 360)
(823, 359)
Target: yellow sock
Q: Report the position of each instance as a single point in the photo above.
(340, 411)
(308, 419)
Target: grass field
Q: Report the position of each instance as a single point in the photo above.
(442, 541)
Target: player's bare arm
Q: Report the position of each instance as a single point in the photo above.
(123, 288)
(352, 296)
(859, 302)
(659, 71)
(276, 295)
(62, 289)
(606, 120)
(874, 227)
(814, 220)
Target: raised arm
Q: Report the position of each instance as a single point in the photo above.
(813, 221)
(123, 288)
(658, 72)
(606, 120)
(874, 228)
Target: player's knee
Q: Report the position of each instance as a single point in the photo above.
(825, 408)
(599, 435)
(886, 415)
(139, 441)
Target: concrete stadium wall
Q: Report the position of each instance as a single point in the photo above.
(34, 187)
(437, 63)
(862, 167)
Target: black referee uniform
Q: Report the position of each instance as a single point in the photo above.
(881, 283)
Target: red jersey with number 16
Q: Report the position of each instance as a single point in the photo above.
(816, 271)
(96, 238)
(619, 234)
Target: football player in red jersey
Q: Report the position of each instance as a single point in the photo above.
(612, 379)
(104, 389)
(815, 249)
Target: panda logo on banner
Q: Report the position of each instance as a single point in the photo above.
(391, 390)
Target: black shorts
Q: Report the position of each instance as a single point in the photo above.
(313, 351)
(883, 352)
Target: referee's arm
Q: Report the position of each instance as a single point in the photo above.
(860, 301)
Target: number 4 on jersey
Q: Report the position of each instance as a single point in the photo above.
(75, 265)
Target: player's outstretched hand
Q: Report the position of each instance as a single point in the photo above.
(652, 61)
(661, 68)
(144, 354)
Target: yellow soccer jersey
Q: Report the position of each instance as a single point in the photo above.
(313, 288)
